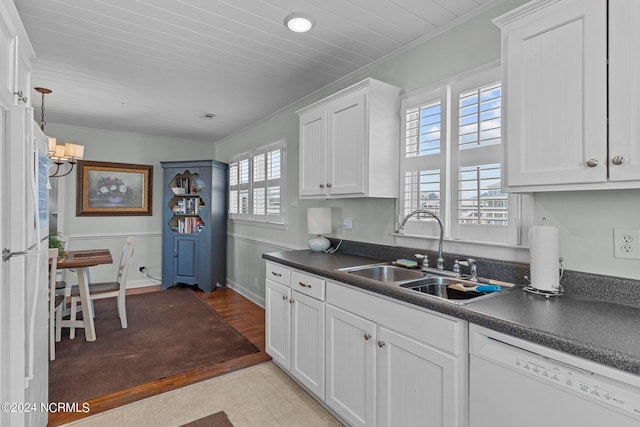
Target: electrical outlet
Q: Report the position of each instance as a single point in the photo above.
(626, 243)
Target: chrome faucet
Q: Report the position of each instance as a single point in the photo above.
(424, 211)
(473, 273)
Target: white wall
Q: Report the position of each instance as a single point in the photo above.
(586, 219)
(111, 232)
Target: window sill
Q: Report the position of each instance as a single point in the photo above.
(491, 250)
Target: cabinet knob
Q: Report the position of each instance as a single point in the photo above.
(321, 185)
(617, 160)
(284, 297)
(381, 344)
(328, 185)
(290, 301)
(592, 163)
(367, 337)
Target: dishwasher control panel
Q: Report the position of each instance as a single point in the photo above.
(579, 381)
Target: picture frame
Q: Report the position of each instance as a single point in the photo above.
(113, 189)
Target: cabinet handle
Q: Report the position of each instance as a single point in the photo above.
(290, 301)
(276, 274)
(592, 163)
(381, 344)
(304, 285)
(284, 297)
(367, 337)
(328, 185)
(321, 185)
(617, 160)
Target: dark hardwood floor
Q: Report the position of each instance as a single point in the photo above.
(242, 314)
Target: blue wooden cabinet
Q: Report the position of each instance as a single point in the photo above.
(194, 224)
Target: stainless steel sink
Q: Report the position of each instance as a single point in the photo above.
(385, 273)
(439, 287)
(428, 285)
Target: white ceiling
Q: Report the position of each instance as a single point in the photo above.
(156, 66)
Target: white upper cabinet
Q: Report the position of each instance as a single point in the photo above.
(554, 55)
(16, 54)
(349, 143)
(624, 90)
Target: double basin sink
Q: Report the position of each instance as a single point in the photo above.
(431, 285)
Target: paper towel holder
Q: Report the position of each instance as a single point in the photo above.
(547, 294)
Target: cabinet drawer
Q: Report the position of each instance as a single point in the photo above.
(308, 284)
(278, 273)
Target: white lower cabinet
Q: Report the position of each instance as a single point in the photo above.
(295, 325)
(392, 365)
(351, 355)
(278, 322)
(372, 360)
(307, 357)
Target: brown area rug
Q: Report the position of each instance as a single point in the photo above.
(169, 332)
(219, 419)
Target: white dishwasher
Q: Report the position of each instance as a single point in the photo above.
(513, 382)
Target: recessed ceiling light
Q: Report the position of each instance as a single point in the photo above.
(299, 22)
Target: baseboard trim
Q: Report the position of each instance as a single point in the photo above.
(251, 296)
(144, 283)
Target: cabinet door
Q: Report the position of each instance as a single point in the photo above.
(307, 358)
(350, 388)
(555, 77)
(313, 152)
(416, 384)
(278, 322)
(185, 259)
(624, 90)
(346, 148)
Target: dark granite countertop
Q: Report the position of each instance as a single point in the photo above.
(593, 329)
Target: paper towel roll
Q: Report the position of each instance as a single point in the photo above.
(545, 257)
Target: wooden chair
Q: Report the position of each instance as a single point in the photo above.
(116, 289)
(55, 302)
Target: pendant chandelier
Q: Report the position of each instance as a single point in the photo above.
(60, 154)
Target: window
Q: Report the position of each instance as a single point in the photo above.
(451, 163)
(256, 185)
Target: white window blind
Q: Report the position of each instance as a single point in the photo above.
(256, 185)
(452, 161)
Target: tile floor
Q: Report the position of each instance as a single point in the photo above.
(258, 396)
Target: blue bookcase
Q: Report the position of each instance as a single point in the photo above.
(194, 224)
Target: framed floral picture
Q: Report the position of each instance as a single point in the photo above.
(113, 189)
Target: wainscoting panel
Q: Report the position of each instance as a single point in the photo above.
(147, 253)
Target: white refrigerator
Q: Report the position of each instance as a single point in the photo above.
(23, 295)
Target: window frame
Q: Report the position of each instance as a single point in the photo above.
(266, 183)
(451, 158)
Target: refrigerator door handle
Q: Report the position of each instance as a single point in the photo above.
(7, 254)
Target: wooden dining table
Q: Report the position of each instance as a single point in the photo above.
(81, 261)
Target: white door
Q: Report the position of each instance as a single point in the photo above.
(307, 356)
(624, 90)
(278, 322)
(350, 387)
(346, 128)
(555, 76)
(416, 384)
(313, 152)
